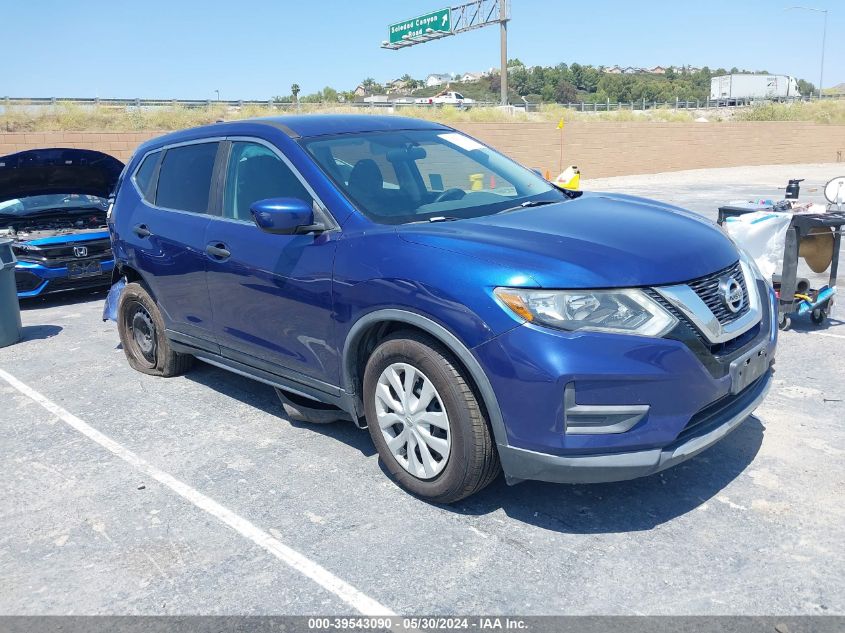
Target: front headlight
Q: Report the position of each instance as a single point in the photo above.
(626, 311)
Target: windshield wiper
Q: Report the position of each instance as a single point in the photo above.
(527, 204)
(437, 218)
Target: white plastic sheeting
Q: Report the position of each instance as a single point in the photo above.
(762, 234)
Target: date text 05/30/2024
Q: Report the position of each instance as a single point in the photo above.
(417, 623)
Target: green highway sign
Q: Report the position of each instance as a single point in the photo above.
(438, 21)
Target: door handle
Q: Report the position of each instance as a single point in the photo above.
(141, 230)
(218, 251)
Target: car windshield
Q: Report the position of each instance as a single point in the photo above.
(51, 202)
(426, 175)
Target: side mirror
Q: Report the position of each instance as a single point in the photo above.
(285, 216)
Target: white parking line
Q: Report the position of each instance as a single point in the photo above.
(343, 590)
(830, 335)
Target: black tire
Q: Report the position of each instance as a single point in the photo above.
(473, 462)
(141, 330)
(784, 322)
(818, 316)
(304, 410)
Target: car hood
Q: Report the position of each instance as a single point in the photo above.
(58, 171)
(595, 241)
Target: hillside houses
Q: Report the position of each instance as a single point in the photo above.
(435, 80)
(654, 70)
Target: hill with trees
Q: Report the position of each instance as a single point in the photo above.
(564, 83)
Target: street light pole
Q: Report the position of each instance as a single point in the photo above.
(504, 14)
(824, 38)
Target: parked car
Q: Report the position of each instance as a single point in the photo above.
(53, 203)
(463, 309)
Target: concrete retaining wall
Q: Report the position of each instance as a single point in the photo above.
(599, 148)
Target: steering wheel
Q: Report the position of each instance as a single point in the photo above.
(451, 194)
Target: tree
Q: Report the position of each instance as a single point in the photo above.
(410, 82)
(329, 95)
(518, 79)
(294, 89)
(370, 86)
(314, 97)
(565, 92)
(806, 88)
(495, 81)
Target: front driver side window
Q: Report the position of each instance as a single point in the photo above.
(256, 173)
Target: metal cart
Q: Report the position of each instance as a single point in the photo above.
(815, 301)
(818, 304)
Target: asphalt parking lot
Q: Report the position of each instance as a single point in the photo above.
(236, 510)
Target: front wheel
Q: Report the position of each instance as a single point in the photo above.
(818, 316)
(425, 420)
(141, 330)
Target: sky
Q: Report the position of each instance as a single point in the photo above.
(255, 49)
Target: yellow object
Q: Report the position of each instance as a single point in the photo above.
(476, 182)
(515, 303)
(570, 178)
(806, 298)
(560, 124)
(547, 175)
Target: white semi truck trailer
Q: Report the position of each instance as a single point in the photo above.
(738, 88)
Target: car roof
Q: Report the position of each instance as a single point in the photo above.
(322, 124)
(299, 126)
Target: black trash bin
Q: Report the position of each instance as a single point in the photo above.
(10, 311)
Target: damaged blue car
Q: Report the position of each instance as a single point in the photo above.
(53, 204)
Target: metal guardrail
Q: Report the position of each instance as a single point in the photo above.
(583, 106)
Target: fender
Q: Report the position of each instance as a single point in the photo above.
(445, 337)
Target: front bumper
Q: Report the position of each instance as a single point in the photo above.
(537, 373)
(34, 280)
(520, 464)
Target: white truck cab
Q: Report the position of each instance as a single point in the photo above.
(447, 97)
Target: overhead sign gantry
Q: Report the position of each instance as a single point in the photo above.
(451, 21)
(423, 28)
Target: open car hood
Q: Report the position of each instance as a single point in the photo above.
(58, 170)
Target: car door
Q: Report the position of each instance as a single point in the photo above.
(165, 234)
(271, 295)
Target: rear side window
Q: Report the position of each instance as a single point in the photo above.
(144, 175)
(184, 179)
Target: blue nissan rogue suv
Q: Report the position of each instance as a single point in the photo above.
(469, 314)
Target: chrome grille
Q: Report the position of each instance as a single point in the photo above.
(57, 255)
(707, 288)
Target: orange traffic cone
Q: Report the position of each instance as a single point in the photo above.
(547, 175)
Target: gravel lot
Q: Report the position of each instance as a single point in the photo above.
(751, 526)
